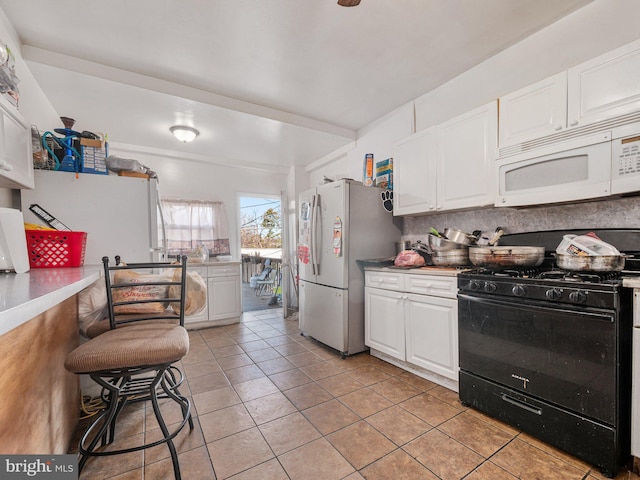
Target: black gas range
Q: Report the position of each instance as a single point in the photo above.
(587, 289)
(549, 351)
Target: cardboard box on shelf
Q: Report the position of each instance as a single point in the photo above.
(133, 174)
(384, 174)
(89, 142)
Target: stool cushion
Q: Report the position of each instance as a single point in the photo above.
(132, 346)
(102, 326)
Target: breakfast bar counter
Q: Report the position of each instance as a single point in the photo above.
(26, 295)
(38, 328)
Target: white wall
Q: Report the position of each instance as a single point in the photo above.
(377, 138)
(193, 179)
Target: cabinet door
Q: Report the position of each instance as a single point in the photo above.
(384, 321)
(467, 149)
(604, 87)
(224, 297)
(414, 174)
(16, 160)
(431, 325)
(534, 111)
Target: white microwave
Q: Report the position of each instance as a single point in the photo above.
(576, 169)
(625, 159)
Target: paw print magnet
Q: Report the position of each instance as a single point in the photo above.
(387, 200)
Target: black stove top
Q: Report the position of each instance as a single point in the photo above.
(550, 273)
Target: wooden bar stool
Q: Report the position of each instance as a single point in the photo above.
(137, 363)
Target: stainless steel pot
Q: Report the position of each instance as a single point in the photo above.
(506, 256)
(404, 245)
(451, 258)
(592, 263)
(440, 244)
(457, 236)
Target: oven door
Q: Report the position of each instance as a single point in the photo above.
(566, 357)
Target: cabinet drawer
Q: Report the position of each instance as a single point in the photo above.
(440, 286)
(385, 280)
(202, 271)
(224, 271)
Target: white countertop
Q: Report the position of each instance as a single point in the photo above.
(426, 270)
(212, 264)
(26, 295)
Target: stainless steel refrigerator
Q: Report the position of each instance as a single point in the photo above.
(339, 223)
(119, 214)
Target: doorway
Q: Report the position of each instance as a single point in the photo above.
(261, 251)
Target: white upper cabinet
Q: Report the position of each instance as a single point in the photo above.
(534, 111)
(448, 166)
(414, 174)
(16, 161)
(467, 148)
(605, 87)
(594, 91)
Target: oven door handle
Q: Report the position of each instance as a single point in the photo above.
(518, 403)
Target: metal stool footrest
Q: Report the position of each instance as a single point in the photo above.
(121, 391)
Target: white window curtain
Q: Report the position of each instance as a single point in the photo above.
(191, 223)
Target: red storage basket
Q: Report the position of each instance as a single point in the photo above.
(55, 249)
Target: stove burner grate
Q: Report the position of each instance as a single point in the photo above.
(584, 277)
(539, 273)
(510, 272)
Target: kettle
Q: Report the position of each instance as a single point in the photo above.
(13, 241)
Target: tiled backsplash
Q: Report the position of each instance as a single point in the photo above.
(614, 213)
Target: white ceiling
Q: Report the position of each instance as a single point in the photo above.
(268, 83)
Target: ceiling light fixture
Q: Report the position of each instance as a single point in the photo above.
(348, 3)
(183, 133)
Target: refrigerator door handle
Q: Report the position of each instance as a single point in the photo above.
(316, 224)
(312, 238)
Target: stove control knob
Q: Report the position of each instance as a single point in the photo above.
(519, 291)
(578, 296)
(553, 294)
(490, 287)
(474, 285)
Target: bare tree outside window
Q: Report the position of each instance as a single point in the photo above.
(260, 223)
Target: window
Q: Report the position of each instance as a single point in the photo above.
(191, 223)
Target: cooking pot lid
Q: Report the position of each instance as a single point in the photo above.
(419, 246)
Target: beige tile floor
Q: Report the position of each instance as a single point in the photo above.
(269, 404)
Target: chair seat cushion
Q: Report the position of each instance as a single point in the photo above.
(102, 326)
(132, 346)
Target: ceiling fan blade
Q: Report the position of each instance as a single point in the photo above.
(349, 3)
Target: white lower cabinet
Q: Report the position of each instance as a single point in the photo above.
(431, 334)
(415, 331)
(224, 295)
(384, 321)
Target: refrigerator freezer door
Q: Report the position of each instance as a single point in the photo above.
(323, 314)
(114, 211)
(332, 267)
(306, 268)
